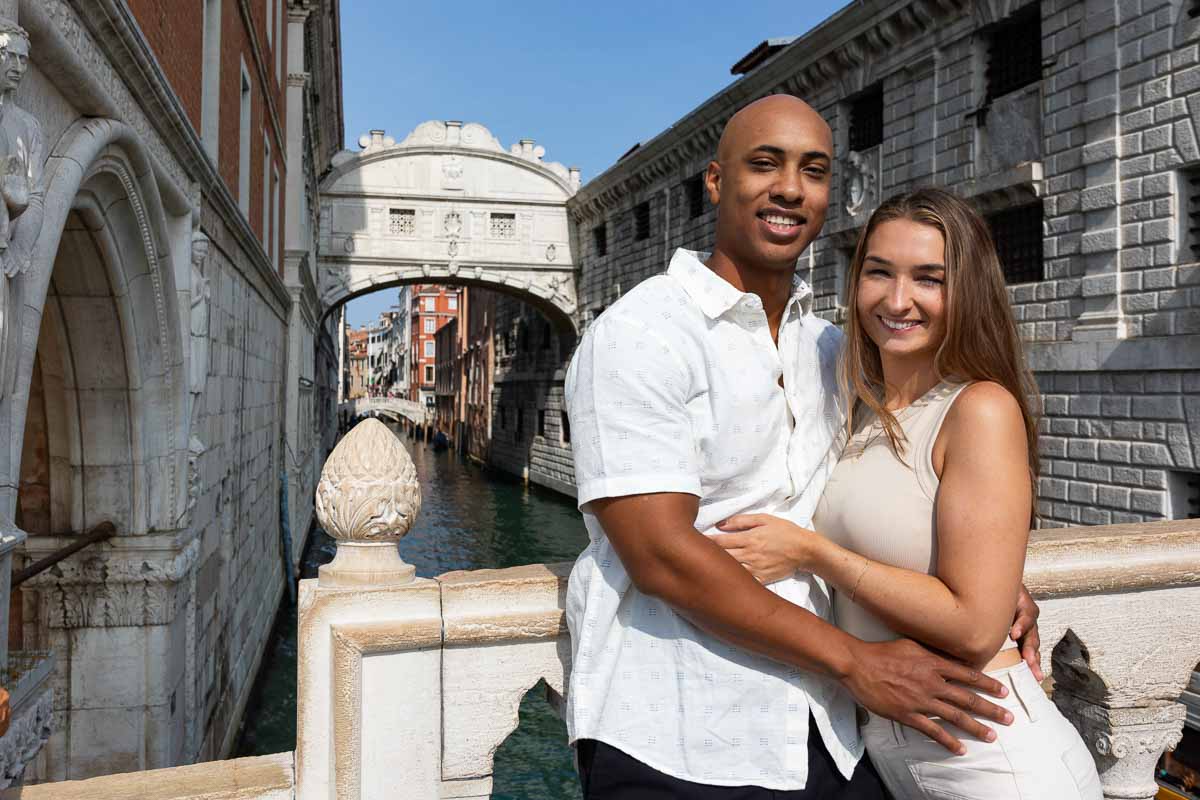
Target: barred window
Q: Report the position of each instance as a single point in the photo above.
(1183, 494)
(694, 188)
(1190, 188)
(600, 239)
(402, 221)
(1015, 52)
(504, 226)
(641, 221)
(1018, 236)
(866, 119)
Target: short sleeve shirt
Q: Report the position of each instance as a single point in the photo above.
(679, 387)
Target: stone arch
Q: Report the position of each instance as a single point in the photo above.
(563, 320)
(102, 287)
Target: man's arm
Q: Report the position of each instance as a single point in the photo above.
(666, 557)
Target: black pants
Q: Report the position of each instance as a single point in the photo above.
(609, 774)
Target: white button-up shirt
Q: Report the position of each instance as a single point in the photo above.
(676, 388)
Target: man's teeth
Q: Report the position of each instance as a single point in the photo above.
(900, 326)
(776, 219)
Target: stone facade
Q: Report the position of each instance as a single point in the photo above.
(167, 364)
(530, 436)
(1103, 139)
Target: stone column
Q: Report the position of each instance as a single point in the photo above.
(1126, 742)
(369, 718)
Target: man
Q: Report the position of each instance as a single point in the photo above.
(703, 393)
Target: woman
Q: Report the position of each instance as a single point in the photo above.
(923, 525)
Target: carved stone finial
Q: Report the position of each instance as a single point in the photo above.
(367, 499)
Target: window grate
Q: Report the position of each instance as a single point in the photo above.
(1018, 236)
(694, 188)
(1015, 52)
(402, 221)
(504, 226)
(1191, 185)
(641, 221)
(600, 239)
(866, 119)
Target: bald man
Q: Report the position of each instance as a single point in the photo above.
(706, 392)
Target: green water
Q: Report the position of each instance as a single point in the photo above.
(470, 518)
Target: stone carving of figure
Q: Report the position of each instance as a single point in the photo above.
(22, 153)
(201, 295)
(861, 182)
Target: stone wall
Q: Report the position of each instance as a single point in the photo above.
(529, 382)
(236, 518)
(1105, 141)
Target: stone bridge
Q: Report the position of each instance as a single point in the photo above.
(448, 204)
(396, 408)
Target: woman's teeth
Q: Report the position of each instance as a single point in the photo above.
(900, 326)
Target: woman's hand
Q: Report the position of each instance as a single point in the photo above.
(770, 547)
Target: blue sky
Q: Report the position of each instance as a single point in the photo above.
(586, 80)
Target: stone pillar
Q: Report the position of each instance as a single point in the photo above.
(1126, 742)
(369, 715)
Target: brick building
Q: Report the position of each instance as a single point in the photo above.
(432, 307)
(358, 364)
(169, 324)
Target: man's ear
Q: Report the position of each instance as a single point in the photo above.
(712, 182)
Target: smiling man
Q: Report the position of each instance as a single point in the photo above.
(703, 393)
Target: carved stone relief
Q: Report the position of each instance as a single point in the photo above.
(22, 157)
(862, 181)
(28, 732)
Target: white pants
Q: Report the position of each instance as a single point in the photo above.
(1039, 757)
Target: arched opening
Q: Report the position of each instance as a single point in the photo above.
(102, 432)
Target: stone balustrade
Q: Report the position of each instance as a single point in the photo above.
(407, 686)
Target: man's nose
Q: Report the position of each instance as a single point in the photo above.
(788, 186)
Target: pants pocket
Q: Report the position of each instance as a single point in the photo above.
(1082, 769)
(943, 781)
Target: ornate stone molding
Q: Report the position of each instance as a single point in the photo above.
(30, 729)
(1126, 742)
(88, 39)
(112, 587)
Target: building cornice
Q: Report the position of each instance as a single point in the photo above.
(839, 49)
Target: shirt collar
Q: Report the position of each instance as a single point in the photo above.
(714, 294)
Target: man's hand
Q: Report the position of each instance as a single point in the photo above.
(905, 682)
(1025, 632)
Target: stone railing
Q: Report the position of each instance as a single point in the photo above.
(407, 686)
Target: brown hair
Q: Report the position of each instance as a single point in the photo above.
(981, 342)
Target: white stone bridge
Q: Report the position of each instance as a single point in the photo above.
(407, 686)
(394, 408)
(448, 204)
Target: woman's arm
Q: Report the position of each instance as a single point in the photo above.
(983, 503)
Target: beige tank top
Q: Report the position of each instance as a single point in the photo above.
(883, 506)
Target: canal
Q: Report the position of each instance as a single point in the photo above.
(471, 518)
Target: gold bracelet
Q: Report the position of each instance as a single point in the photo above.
(854, 591)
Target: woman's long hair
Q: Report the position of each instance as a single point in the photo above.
(981, 342)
